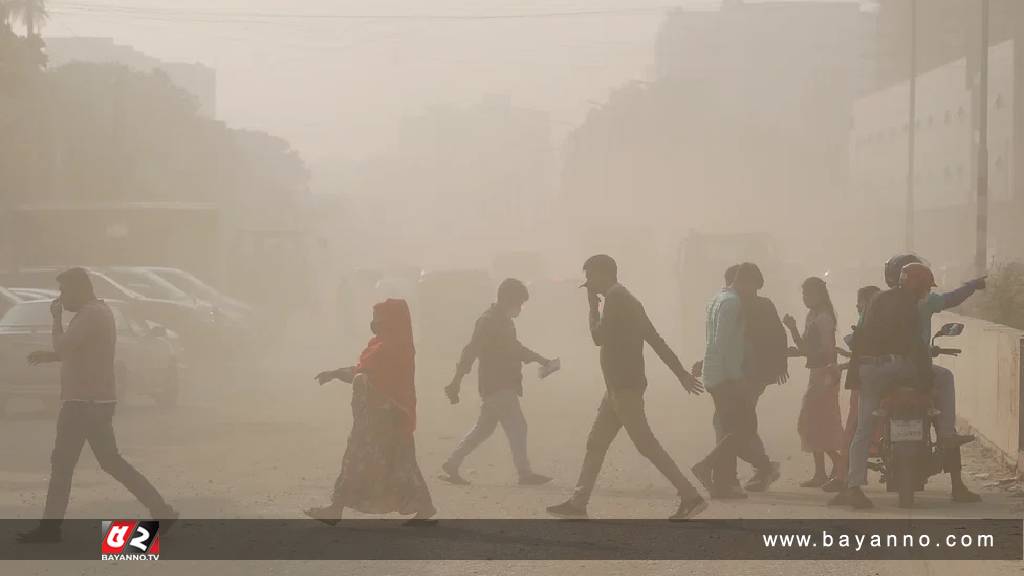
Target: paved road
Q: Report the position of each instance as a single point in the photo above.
(272, 447)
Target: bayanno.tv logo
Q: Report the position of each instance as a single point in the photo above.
(130, 540)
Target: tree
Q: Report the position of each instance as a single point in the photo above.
(31, 13)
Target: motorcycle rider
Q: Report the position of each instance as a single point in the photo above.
(886, 349)
(944, 388)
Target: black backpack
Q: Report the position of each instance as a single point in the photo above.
(764, 359)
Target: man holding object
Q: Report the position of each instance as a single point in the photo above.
(86, 353)
(621, 329)
(500, 373)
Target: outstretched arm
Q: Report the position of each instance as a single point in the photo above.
(527, 356)
(471, 351)
(42, 357)
(954, 298)
(465, 364)
(794, 331)
(346, 374)
(665, 353)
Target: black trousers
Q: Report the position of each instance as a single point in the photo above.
(736, 433)
(81, 422)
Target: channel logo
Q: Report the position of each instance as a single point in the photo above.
(130, 540)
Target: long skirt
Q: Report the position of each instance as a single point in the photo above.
(820, 423)
(379, 473)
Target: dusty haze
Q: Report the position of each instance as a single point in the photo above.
(307, 159)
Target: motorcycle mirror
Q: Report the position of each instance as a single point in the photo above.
(951, 329)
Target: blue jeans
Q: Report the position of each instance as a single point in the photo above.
(874, 380)
(944, 391)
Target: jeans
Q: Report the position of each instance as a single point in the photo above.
(875, 379)
(503, 408)
(736, 434)
(624, 408)
(751, 451)
(81, 422)
(944, 391)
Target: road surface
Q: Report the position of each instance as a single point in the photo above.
(270, 447)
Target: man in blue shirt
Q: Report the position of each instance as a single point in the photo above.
(734, 395)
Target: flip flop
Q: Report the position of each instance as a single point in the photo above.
(317, 514)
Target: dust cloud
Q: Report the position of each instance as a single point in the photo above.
(248, 178)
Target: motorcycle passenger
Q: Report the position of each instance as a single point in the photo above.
(887, 350)
(944, 387)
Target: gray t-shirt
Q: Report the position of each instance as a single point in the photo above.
(86, 351)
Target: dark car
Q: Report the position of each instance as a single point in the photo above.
(146, 361)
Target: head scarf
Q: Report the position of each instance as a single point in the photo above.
(389, 357)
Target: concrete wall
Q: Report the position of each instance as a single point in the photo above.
(945, 153)
(988, 382)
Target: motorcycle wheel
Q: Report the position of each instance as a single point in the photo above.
(905, 472)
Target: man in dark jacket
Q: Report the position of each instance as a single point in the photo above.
(887, 348)
(621, 329)
(501, 357)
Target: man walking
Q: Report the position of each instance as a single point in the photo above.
(621, 329)
(735, 378)
(86, 354)
(501, 356)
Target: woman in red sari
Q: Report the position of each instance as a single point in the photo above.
(379, 473)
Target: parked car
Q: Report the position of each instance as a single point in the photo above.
(146, 361)
(147, 284)
(30, 294)
(7, 300)
(234, 336)
(45, 277)
(196, 325)
(200, 291)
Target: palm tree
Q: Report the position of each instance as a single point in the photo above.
(32, 14)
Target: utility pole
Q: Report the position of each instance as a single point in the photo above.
(909, 242)
(981, 242)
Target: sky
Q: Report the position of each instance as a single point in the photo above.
(335, 77)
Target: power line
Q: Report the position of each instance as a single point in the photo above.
(221, 17)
